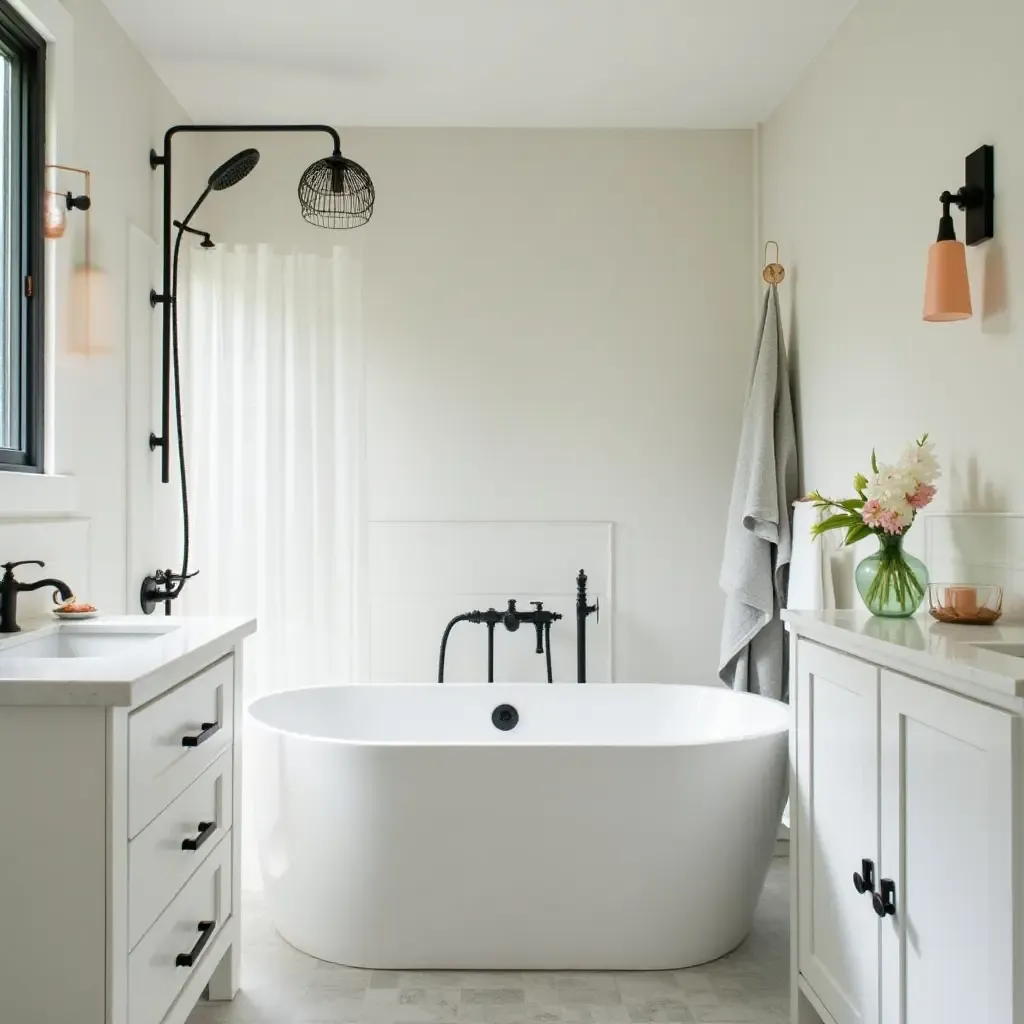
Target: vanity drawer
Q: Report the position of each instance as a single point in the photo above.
(157, 971)
(175, 738)
(163, 856)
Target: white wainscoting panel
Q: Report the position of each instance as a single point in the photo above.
(978, 547)
(62, 543)
(422, 574)
(957, 547)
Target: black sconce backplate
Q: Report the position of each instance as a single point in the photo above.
(980, 189)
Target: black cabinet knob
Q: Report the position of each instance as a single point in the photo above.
(864, 880)
(884, 901)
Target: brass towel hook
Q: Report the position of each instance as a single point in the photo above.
(773, 273)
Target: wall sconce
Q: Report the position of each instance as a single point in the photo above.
(88, 327)
(55, 221)
(56, 205)
(947, 292)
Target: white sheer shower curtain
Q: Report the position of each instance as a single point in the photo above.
(274, 414)
(274, 427)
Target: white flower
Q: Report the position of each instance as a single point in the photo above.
(890, 486)
(920, 463)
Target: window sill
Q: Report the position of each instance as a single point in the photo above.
(37, 495)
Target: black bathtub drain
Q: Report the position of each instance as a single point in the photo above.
(505, 717)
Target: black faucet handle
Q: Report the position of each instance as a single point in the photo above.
(511, 618)
(11, 566)
(539, 605)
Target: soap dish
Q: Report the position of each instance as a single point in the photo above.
(73, 610)
(965, 604)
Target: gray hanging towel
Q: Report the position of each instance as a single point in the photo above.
(759, 540)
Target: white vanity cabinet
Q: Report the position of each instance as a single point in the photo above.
(915, 787)
(947, 801)
(119, 818)
(836, 807)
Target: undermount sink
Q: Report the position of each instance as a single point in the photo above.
(83, 643)
(1012, 649)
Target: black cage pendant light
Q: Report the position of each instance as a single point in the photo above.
(336, 192)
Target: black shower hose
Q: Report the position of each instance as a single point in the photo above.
(183, 578)
(465, 617)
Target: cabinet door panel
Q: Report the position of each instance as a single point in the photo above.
(837, 827)
(947, 843)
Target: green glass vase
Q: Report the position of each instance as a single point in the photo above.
(890, 582)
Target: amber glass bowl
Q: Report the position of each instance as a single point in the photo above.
(967, 604)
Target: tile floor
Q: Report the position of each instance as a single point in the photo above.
(282, 986)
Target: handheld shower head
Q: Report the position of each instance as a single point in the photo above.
(206, 243)
(234, 169)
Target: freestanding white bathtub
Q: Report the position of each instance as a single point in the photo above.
(614, 827)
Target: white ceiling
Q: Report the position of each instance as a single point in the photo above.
(537, 63)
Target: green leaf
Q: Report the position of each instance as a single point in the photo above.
(856, 533)
(853, 504)
(842, 521)
(860, 482)
(874, 462)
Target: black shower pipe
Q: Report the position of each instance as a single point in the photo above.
(164, 298)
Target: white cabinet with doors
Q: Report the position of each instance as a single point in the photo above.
(906, 795)
(120, 786)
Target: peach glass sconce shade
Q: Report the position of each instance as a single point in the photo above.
(88, 322)
(947, 291)
(55, 215)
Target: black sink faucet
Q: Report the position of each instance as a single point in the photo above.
(10, 588)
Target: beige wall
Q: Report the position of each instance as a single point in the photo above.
(558, 327)
(852, 166)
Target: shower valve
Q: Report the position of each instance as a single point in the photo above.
(511, 618)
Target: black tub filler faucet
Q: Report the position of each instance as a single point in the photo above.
(540, 618)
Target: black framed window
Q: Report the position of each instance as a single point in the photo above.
(22, 316)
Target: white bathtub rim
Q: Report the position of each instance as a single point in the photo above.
(762, 733)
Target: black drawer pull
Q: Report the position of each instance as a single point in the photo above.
(188, 959)
(884, 901)
(209, 728)
(864, 880)
(206, 829)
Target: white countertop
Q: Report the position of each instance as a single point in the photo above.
(922, 646)
(182, 647)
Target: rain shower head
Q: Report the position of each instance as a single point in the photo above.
(233, 170)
